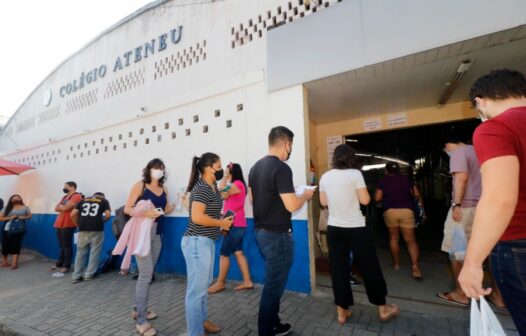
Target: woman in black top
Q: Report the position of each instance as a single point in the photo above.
(198, 243)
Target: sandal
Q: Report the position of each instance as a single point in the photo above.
(391, 315)
(448, 297)
(244, 287)
(213, 290)
(14, 267)
(146, 330)
(149, 315)
(417, 275)
(342, 318)
(5, 264)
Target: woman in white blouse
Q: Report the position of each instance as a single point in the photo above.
(343, 189)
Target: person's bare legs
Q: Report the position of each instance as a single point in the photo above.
(5, 263)
(15, 261)
(394, 237)
(224, 265)
(243, 267)
(412, 248)
(458, 294)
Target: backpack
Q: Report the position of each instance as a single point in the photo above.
(121, 218)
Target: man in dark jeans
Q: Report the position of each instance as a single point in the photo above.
(272, 194)
(65, 226)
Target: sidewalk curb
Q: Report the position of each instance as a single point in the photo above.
(9, 327)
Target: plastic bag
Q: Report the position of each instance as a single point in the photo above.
(483, 320)
(459, 242)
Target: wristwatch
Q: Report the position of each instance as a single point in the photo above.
(453, 204)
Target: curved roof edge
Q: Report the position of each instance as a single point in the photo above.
(119, 23)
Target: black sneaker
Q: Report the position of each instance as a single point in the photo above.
(282, 329)
(355, 282)
(77, 280)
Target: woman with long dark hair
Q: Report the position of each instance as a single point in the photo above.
(151, 187)
(198, 243)
(15, 210)
(234, 191)
(343, 189)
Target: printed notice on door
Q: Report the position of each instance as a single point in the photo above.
(397, 120)
(372, 124)
(332, 143)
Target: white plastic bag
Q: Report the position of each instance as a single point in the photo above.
(459, 242)
(483, 320)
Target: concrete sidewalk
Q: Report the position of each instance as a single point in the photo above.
(34, 303)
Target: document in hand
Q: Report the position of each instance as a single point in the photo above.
(301, 189)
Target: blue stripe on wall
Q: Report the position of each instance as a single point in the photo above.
(41, 237)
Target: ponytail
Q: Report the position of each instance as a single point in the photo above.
(194, 175)
(198, 165)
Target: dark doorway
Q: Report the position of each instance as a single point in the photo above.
(422, 149)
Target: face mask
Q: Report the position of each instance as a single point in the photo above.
(482, 117)
(65, 191)
(288, 154)
(219, 174)
(17, 201)
(156, 173)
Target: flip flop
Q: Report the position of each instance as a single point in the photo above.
(214, 291)
(447, 297)
(244, 288)
(495, 305)
(147, 331)
(392, 315)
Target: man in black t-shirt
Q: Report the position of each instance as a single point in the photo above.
(274, 200)
(92, 213)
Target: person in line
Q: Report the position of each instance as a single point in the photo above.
(65, 227)
(12, 242)
(234, 197)
(397, 193)
(150, 188)
(343, 189)
(499, 228)
(92, 213)
(198, 242)
(272, 193)
(465, 169)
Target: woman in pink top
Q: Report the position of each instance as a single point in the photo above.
(234, 195)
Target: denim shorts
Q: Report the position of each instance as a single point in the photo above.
(233, 241)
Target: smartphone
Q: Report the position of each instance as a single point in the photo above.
(160, 210)
(229, 213)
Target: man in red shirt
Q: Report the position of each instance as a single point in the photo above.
(64, 225)
(500, 219)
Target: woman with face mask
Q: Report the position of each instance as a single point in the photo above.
(15, 210)
(151, 188)
(198, 243)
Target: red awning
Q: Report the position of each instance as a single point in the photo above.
(12, 168)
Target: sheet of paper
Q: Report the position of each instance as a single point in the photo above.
(301, 189)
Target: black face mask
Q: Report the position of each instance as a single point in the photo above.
(65, 191)
(219, 174)
(17, 201)
(288, 154)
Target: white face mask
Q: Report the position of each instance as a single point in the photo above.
(157, 173)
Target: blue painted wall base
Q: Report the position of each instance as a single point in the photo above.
(41, 237)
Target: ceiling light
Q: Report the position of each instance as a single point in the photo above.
(452, 84)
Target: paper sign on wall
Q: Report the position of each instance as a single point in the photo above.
(372, 124)
(397, 120)
(332, 143)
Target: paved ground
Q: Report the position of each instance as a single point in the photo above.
(34, 303)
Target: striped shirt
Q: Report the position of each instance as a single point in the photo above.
(211, 197)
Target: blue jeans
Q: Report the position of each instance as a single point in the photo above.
(88, 242)
(508, 264)
(278, 252)
(199, 255)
